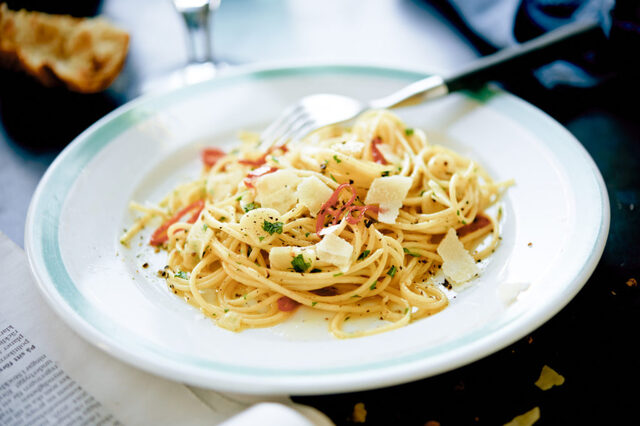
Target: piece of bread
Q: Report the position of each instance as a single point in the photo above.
(83, 54)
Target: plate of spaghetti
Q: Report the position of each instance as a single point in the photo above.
(370, 253)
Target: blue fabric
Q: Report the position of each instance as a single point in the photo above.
(503, 23)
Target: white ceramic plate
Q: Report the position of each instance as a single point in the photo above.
(140, 151)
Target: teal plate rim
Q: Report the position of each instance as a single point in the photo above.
(43, 251)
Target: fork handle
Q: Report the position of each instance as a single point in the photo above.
(538, 51)
(498, 66)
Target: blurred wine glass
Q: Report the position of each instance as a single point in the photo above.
(202, 64)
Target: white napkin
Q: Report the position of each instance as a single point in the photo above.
(49, 375)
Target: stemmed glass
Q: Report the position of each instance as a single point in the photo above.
(201, 65)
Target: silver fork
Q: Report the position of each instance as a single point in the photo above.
(315, 111)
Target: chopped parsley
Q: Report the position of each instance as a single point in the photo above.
(181, 274)
(385, 173)
(239, 198)
(372, 286)
(409, 252)
(222, 218)
(260, 238)
(314, 303)
(299, 265)
(392, 271)
(250, 206)
(205, 226)
(408, 132)
(335, 157)
(338, 274)
(306, 234)
(271, 228)
(364, 254)
(334, 179)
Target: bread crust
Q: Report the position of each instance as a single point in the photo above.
(83, 54)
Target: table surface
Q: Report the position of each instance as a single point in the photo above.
(591, 342)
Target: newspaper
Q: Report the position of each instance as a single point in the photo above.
(50, 376)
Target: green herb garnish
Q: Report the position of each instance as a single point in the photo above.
(250, 206)
(392, 271)
(372, 286)
(205, 226)
(299, 265)
(314, 303)
(409, 252)
(364, 254)
(408, 132)
(181, 274)
(385, 173)
(271, 228)
(335, 157)
(334, 179)
(338, 274)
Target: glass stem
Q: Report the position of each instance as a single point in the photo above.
(197, 17)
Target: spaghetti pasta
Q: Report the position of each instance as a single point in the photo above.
(349, 221)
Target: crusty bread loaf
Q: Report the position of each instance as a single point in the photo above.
(84, 54)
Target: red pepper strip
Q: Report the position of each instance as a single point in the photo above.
(375, 152)
(327, 207)
(255, 174)
(210, 156)
(362, 209)
(159, 236)
(347, 209)
(478, 223)
(263, 158)
(287, 304)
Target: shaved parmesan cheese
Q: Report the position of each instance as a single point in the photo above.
(329, 229)
(389, 192)
(526, 419)
(333, 249)
(230, 321)
(252, 223)
(278, 190)
(458, 265)
(281, 257)
(198, 238)
(549, 378)
(351, 147)
(313, 193)
(222, 185)
(389, 212)
(387, 153)
(509, 291)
